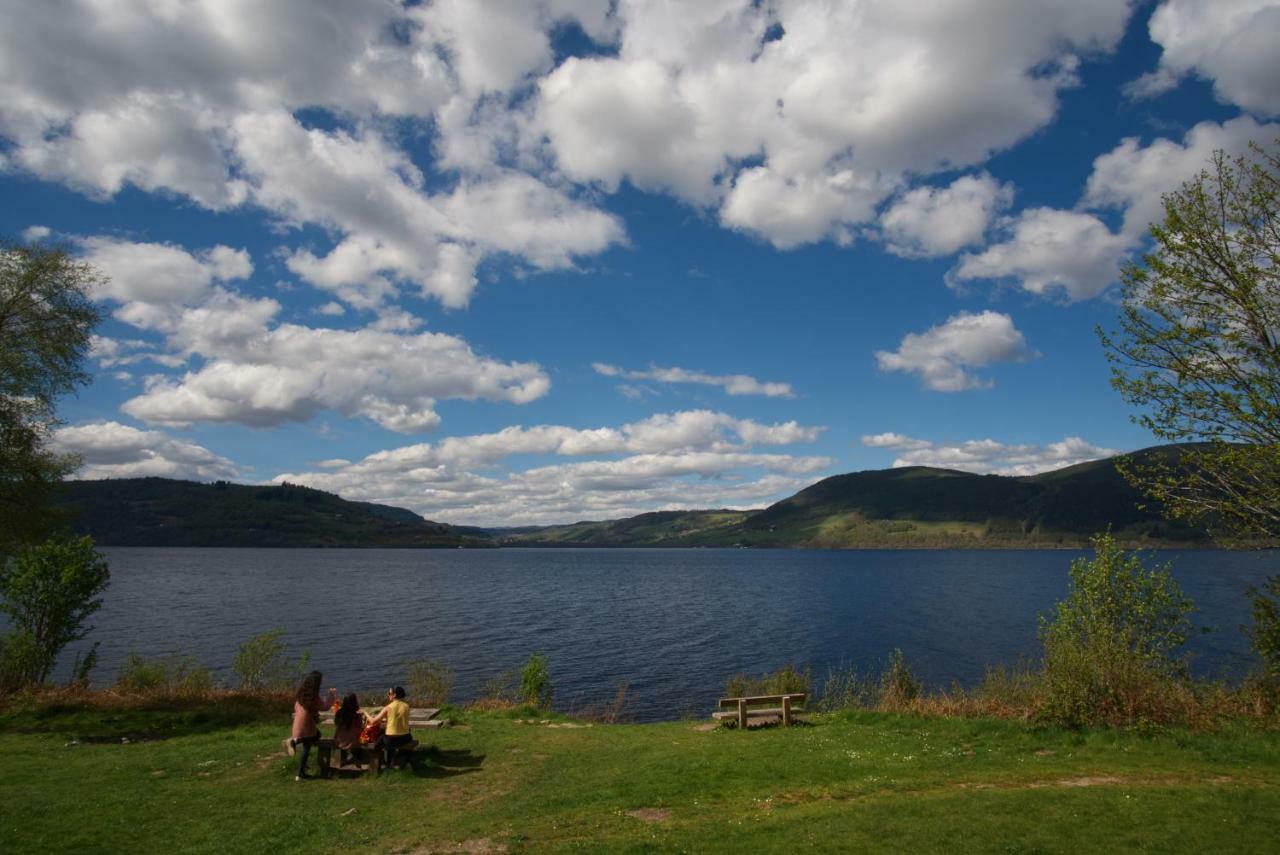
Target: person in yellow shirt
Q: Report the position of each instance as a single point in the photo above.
(395, 732)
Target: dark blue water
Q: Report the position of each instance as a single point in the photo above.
(672, 624)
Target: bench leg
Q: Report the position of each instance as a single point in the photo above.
(786, 712)
(742, 714)
(324, 755)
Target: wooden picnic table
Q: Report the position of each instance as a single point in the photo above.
(419, 717)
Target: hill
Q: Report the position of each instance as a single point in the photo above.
(165, 512)
(909, 507)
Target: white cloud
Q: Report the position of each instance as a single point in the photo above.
(1132, 177)
(934, 221)
(942, 354)
(260, 375)
(1231, 43)
(1049, 252)
(670, 460)
(114, 450)
(1074, 253)
(733, 384)
(986, 456)
(799, 137)
(894, 440)
(160, 274)
(31, 234)
(794, 120)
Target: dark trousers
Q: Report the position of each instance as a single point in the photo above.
(391, 744)
(306, 742)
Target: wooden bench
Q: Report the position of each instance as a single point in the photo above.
(419, 717)
(742, 710)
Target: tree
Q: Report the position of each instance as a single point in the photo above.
(45, 319)
(1199, 350)
(48, 592)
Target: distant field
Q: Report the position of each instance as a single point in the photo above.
(858, 781)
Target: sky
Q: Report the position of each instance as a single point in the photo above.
(513, 262)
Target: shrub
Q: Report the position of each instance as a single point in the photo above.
(498, 692)
(168, 675)
(899, 687)
(785, 680)
(1265, 632)
(430, 682)
(48, 592)
(1110, 648)
(535, 682)
(846, 689)
(260, 663)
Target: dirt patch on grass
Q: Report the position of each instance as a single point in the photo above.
(650, 814)
(478, 846)
(707, 727)
(1094, 781)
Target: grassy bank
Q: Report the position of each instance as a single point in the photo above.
(193, 779)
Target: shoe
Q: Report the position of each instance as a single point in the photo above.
(288, 746)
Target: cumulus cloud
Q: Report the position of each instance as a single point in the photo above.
(793, 121)
(161, 274)
(1049, 251)
(894, 440)
(114, 450)
(935, 221)
(1231, 43)
(798, 118)
(733, 384)
(259, 375)
(986, 456)
(942, 355)
(671, 460)
(252, 369)
(1074, 254)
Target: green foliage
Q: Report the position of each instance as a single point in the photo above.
(1197, 351)
(83, 667)
(429, 682)
(1110, 649)
(535, 682)
(48, 592)
(45, 319)
(174, 675)
(786, 679)
(260, 663)
(899, 687)
(1265, 632)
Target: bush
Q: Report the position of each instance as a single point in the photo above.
(847, 689)
(173, 675)
(430, 682)
(1110, 649)
(535, 683)
(48, 592)
(785, 680)
(1265, 632)
(899, 687)
(260, 663)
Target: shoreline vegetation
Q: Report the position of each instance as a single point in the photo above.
(907, 508)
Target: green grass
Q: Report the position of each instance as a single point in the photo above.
(849, 781)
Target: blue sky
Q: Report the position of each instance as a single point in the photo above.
(532, 262)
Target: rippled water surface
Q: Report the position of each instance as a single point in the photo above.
(672, 624)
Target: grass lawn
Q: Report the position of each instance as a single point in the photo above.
(491, 784)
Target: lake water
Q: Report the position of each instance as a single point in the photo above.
(672, 624)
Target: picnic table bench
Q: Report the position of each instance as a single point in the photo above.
(419, 717)
(742, 710)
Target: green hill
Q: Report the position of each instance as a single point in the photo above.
(913, 506)
(165, 512)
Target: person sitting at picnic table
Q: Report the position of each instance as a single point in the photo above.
(348, 721)
(396, 731)
(306, 720)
